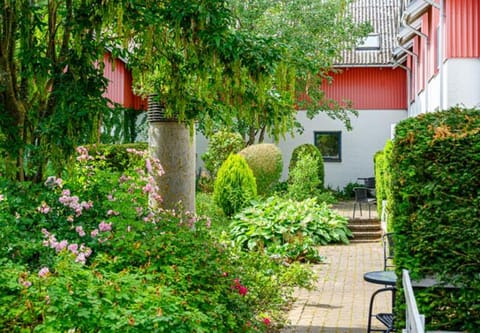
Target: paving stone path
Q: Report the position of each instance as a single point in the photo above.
(339, 303)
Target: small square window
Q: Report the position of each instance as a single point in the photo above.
(330, 145)
(371, 42)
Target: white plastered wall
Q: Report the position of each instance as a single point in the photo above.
(371, 129)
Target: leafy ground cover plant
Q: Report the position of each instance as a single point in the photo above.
(86, 254)
(289, 229)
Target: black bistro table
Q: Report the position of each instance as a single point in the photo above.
(388, 279)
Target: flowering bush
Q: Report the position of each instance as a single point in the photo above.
(86, 253)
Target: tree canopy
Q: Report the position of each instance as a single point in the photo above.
(246, 65)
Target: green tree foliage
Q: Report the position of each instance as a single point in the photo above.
(314, 152)
(265, 160)
(220, 146)
(235, 185)
(50, 86)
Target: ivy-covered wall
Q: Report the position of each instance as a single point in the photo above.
(435, 211)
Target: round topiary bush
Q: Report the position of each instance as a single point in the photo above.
(235, 185)
(313, 151)
(220, 146)
(265, 160)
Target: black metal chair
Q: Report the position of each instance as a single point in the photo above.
(388, 252)
(362, 197)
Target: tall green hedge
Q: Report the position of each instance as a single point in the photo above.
(382, 178)
(435, 211)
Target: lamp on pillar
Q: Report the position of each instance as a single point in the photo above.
(171, 142)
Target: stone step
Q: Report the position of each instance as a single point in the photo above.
(367, 236)
(365, 227)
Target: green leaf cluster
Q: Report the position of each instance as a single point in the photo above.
(314, 152)
(220, 146)
(435, 172)
(289, 229)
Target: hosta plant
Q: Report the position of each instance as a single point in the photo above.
(288, 228)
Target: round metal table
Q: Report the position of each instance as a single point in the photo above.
(389, 280)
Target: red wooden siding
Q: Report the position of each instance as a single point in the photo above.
(370, 88)
(119, 88)
(462, 28)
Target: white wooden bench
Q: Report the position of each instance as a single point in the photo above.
(415, 322)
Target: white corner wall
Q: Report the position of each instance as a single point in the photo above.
(371, 129)
(462, 82)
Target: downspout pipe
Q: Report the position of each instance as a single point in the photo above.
(441, 44)
(422, 35)
(415, 56)
(409, 83)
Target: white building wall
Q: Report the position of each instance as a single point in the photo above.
(462, 81)
(371, 129)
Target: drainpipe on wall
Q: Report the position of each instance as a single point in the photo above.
(415, 56)
(409, 83)
(441, 43)
(427, 62)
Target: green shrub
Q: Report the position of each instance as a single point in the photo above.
(435, 211)
(220, 146)
(265, 160)
(290, 229)
(304, 182)
(115, 156)
(235, 185)
(312, 150)
(382, 176)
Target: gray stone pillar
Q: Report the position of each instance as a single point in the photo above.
(171, 142)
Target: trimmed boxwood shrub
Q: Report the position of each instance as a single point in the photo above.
(435, 211)
(265, 160)
(312, 150)
(235, 185)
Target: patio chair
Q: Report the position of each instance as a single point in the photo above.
(362, 197)
(387, 240)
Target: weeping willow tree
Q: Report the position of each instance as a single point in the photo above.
(51, 82)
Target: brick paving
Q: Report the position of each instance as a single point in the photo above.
(339, 303)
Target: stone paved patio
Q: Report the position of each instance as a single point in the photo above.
(339, 303)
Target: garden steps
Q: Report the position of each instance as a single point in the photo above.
(365, 230)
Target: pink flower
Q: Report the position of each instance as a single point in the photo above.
(94, 233)
(70, 218)
(266, 321)
(81, 258)
(110, 197)
(103, 227)
(44, 208)
(25, 283)
(148, 165)
(44, 272)
(80, 231)
(2, 197)
(112, 213)
(61, 245)
(73, 248)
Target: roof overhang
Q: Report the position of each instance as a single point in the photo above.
(415, 10)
